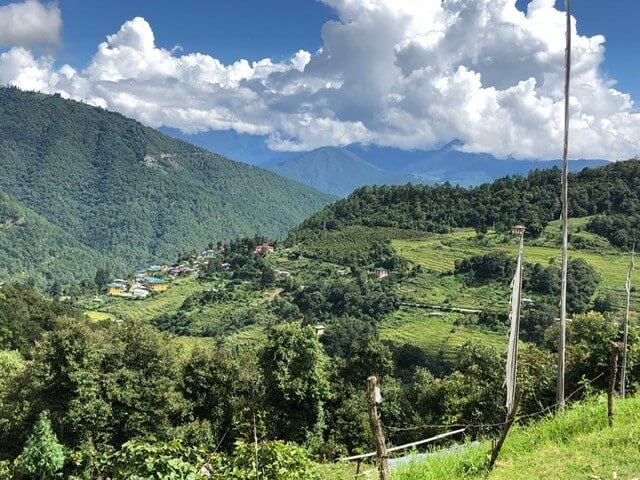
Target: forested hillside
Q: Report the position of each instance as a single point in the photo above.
(126, 190)
(612, 190)
(34, 249)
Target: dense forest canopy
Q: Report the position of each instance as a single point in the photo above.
(534, 200)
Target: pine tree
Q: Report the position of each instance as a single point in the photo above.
(42, 455)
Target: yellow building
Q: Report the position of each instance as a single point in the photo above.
(115, 289)
(155, 284)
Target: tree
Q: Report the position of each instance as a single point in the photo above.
(293, 366)
(43, 455)
(101, 278)
(56, 290)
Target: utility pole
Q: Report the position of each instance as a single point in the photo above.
(373, 398)
(565, 216)
(625, 335)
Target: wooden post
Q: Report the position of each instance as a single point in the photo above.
(625, 334)
(565, 216)
(511, 416)
(613, 370)
(376, 428)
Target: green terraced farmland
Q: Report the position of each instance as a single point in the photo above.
(437, 336)
(438, 254)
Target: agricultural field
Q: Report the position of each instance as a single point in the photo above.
(438, 336)
(438, 254)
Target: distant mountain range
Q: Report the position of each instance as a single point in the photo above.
(82, 188)
(336, 171)
(340, 170)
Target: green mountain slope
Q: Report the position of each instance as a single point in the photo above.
(612, 190)
(336, 171)
(130, 192)
(33, 248)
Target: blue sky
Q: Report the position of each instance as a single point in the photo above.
(255, 29)
(229, 30)
(409, 74)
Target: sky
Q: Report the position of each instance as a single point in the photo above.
(301, 74)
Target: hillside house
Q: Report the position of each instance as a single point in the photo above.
(209, 254)
(263, 248)
(381, 272)
(116, 289)
(156, 284)
(140, 292)
(282, 273)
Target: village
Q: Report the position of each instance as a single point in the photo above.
(155, 279)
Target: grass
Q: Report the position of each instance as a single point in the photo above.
(574, 445)
(438, 254)
(438, 337)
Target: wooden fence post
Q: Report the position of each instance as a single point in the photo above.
(613, 370)
(376, 428)
(497, 446)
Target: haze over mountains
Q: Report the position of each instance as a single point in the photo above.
(81, 187)
(340, 170)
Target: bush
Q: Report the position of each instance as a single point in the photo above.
(43, 455)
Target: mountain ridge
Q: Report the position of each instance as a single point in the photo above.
(129, 192)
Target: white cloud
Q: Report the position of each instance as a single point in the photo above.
(403, 73)
(29, 23)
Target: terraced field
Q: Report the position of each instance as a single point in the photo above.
(437, 336)
(438, 254)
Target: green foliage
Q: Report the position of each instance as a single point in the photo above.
(582, 281)
(84, 180)
(25, 316)
(534, 200)
(149, 461)
(103, 386)
(42, 455)
(294, 369)
(344, 297)
(276, 460)
(621, 230)
(589, 339)
(492, 266)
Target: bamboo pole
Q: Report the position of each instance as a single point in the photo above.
(565, 216)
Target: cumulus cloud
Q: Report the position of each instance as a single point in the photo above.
(29, 23)
(403, 73)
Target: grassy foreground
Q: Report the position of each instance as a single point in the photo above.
(575, 445)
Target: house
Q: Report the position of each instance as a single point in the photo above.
(156, 284)
(225, 266)
(381, 272)
(140, 293)
(282, 273)
(320, 330)
(263, 248)
(209, 254)
(154, 269)
(116, 289)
